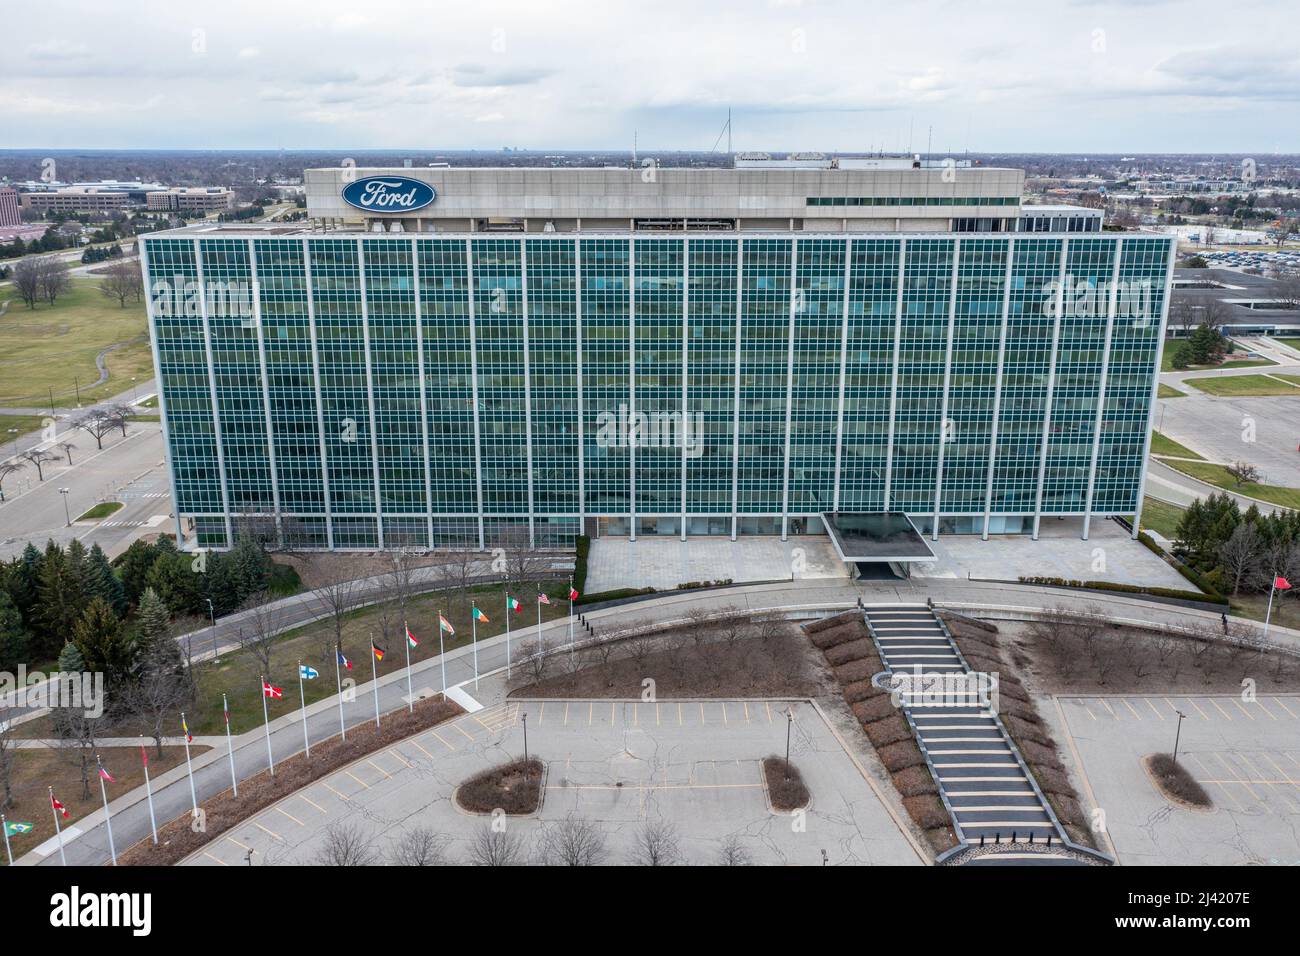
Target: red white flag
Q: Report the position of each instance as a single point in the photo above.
(275, 693)
(105, 775)
(54, 802)
(573, 593)
(542, 598)
(1282, 584)
(144, 756)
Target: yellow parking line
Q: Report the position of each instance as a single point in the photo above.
(566, 713)
(1294, 783)
(541, 714)
(1259, 702)
(238, 844)
(1136, 715)
(1260, 778)
(357, 779)
(216, 858)
(1233, 770)
(267, 830)
(679, 715)
(1278, 701)
(340, 795)
(768, 707)
(1198, 708)
(1209, 778)
(1243, 709)
(702, 720)
(307, 799)
(656, 713)
(591, 709)
(1087, 711)
(724, 713)
(290, 816)
(434, 733)
(387, 775)
(1153, 708)
(611, 712)
(467, 736)
(636, 714)
(1216, 706)
(417, 746)
(1110, 710)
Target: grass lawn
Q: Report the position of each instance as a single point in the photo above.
(1293, 379)
(101, 510)
(1168, 391)
(1242, 386)
(46, 347)
(150, 402)
(1163, 445)
(1173, 347)
(1161, 517)
(1294, 343)
(36, 769)
(1218, 475)
(20, 424)
(1286, 612)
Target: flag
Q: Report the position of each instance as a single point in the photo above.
(185, 729)
(410, 639)
(1282, 584)
(144, 756)
(480, 616)
(105, 775)
(307, 673)
(377, 651)
(15, 828)
(515, 606)
(54, 802)
(573, 593)
(445, 625)
(346, 664)
(542, 598)
(225, 711)
(275, 693)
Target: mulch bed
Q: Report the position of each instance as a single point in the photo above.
(176, 840)
(1176, 783)
(785, 786)
(515, 788)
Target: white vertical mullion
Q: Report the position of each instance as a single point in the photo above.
(997, 387)
(735, 407)
(1111, 301)
(266, 386)
(893, 380)
(844, 353)
(789, 387)
(1155, 387)
(1051, 385)
(162, 397)
(947, 386)
(370, 392)
(577, 312)
(632, 431)
(320, 405)
(473, 379)
(686, 311)
(424, 398)
(528, 390)
(212, 393)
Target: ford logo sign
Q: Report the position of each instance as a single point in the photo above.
(388, 194)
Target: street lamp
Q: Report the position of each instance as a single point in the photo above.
(1177, 733)
(212, 612)
(66, 514)
(789, 722)
(525, 743)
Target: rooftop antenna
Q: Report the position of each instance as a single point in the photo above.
(728, 130)
(725, 131)
(633, 147)
(929, 143)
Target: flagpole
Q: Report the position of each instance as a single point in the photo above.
(266, 724)
(473, 639)
(571, 612)
(4, 825)
(1269, 614)
(194, 800)
(374, 677)
(230, 746)
(148, 790)
(442, 655)
(410, 694)
(302, 698)
(108, 819)
(539, 618)
(338, 674)
(58, 830)
(507, 635)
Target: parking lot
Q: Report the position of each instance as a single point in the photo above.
(614, 763)
(1246, 754)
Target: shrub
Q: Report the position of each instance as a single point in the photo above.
(872, 708)
(838, 635)
(914, 782)
(889, 730)
(581, 549)
(928, 811)
(1176, 782)
(514, 787)
(825, 623)
(858, 670)
(785, 786)
(857, 691)
(900, 756)
(852, 651)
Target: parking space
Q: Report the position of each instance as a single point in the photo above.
(696, 763)
(1246, 753)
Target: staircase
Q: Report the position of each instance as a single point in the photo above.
(999, 815)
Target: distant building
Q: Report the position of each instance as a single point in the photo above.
(190, 199)
(10, 214)
(111, 196)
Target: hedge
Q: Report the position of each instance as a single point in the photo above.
(1208, 598)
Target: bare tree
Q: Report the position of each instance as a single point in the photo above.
(346, 845)
(68, 448)
(262, 623)
(656, 845)
(1214, 314)
(122, 281)
(97, 423)
(421, 846)
(1242, 472)
(496, 847)
(53, 278)
(733, 852)
(1182, 314)
(39, 457)
(27, 280)
(7, 468)
(78, 731)
(161, 690)
(399, 579)
(121, 416)
(573, 841)
(338, 599)
(522, 561)
(1240, 554)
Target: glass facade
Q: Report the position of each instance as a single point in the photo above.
(398, 391)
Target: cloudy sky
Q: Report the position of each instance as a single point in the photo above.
(985, 75)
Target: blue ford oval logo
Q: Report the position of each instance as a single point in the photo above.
(388, 194)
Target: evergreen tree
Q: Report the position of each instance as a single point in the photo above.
(13, 636)
(133, 567)
(61, 601)
(23, 580)
(103, 644)
(220, 585)
(99, 581)
(171, 578)
(152, 618)
(251, 567)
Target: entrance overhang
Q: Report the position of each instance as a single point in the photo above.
(876, 537)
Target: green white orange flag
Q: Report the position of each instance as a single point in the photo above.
(480, 616)
(445, 625)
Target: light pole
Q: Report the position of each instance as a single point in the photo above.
(66, 513)
(1178, 733)
(212, 611)
(525, 743)
(789, 722)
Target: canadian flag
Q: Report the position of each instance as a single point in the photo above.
(573, 593)
(1281, 583)
(54, 802)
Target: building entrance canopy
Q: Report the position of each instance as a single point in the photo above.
(876, 536)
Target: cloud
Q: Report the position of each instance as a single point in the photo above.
(475, 74)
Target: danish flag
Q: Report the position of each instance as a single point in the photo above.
(275, 693)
